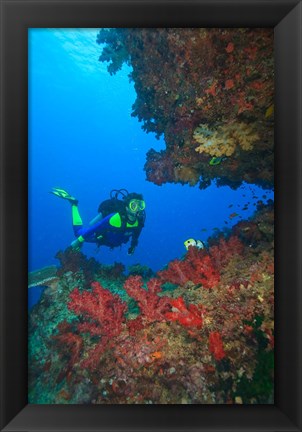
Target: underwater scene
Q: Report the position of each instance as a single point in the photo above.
(151, 216)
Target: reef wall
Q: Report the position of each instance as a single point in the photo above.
(209, 92)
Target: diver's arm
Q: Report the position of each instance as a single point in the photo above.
(133, 244)
(96, 219)
(134, 240)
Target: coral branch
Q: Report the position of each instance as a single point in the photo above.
(152, 306)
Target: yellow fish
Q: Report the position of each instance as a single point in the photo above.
(192, 242)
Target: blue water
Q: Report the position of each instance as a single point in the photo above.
(82, 138)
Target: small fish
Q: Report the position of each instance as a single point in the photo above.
(192, 242)
(204, 229)
(231, 205)
(232, 215)
(156, 355)
(216, 160)
(215, 229)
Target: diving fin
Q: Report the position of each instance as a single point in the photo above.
(61, 193)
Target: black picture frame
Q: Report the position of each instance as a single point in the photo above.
(16, 17)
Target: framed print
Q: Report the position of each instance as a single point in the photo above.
(150, 196)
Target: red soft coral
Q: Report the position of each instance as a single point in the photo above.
(103, 314)
(197, 267)
(216, 345)
(102, 310)
(222, 253)
(70, 346)
(187, 316)
(151, 305)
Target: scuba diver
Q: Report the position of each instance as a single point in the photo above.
(119, 218)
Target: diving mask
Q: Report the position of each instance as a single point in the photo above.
(137, 205)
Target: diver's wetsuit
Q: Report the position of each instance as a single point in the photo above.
(113, 230)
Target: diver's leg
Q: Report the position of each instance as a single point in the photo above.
(77, 222)
(77, 225)
(61, 193)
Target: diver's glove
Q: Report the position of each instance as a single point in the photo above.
(77, 243)
(131, 250)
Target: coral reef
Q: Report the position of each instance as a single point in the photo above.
(72, 260)
(75, 261)
(209, 339)
(212, 87)
(140, 270)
